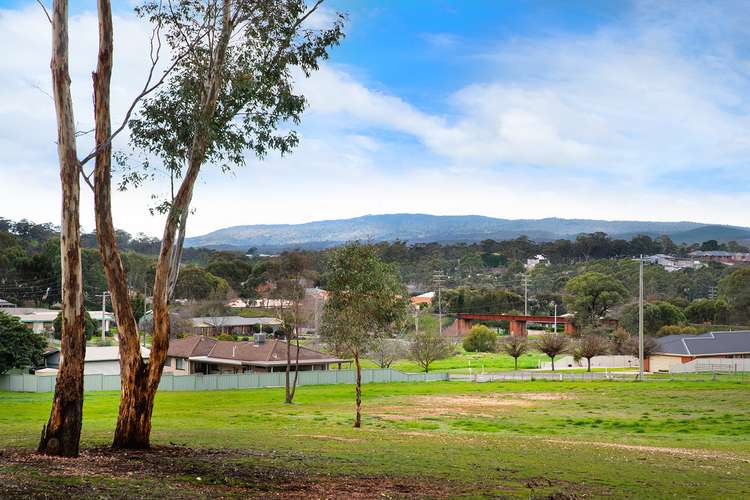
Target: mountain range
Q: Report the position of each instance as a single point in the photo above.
(423, 228)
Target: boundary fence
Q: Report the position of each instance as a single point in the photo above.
(198, 382)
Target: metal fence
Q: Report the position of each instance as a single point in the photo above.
(198, 382)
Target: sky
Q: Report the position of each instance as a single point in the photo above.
(515, 109)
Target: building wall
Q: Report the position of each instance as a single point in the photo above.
(661, 363)
(110, 367)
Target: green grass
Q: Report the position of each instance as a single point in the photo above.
(518, 439)
(476, 361)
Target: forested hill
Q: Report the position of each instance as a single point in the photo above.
(421, 228)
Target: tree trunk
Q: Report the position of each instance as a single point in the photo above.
(132, 367)
(288, 398)
(139, 389)
(358, 389)
(62, 434)
(515, 363)
(553, 362)
(589, 363)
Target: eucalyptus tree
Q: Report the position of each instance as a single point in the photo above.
(365, 298)
(62, 433)
(229, 92)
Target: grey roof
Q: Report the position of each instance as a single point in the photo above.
(706, 344)
(5, 303)
(219, 321)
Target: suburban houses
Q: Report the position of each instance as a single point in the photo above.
(233, 325)
(675, 349)
(98, 361)
(201, 354)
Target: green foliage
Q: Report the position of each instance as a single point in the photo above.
(480, 339)
(196, 283)
(655, 316)
(365, 298)
(589, 346)
(735, 290)
(707, 311)
(677, 330)
(91, 327)
(592, 294)
(19, 346)
(467, 299)
(226, 336)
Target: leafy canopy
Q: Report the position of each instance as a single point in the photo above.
(19, 346)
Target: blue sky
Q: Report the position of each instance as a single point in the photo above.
(516, 109)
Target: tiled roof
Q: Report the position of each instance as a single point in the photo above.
(228, 321)
(270, 351)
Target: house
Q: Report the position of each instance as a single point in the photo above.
(728, 258)
(232, 325)
(531, 263)
(685, 348)
(200, 354)
(5, 304)
(671, 263)
(425, 298)
(98, 360)
(236, 304)
(42, 320)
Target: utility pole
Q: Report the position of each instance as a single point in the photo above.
(640, 320)
(555, 317)
(525, 295)
(104, 312)
(438, 279)
(416, 319)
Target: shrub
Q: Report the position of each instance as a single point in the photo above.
(480, 339)
(225, 336)
(677, 330)
(267, 329)
(91, 326)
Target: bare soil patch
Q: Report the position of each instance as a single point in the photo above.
(685, 452)
(177, 472)
(464, 404)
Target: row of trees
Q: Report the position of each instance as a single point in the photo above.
(224, 93)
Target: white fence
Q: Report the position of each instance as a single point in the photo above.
(614, 361)
(169, 382)
(701, 365)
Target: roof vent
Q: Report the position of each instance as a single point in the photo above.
(259, 338)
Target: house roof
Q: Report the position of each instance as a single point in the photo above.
(707, 344)
(270, 352)
(219, 321)
(5, 303)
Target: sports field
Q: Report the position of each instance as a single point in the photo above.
(437, 440)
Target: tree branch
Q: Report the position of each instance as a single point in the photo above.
(46, 12)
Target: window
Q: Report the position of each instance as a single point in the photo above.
(180, 363)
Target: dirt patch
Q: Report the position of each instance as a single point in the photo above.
(685, 452)
(178, 472)
(330, 438)
(464, 404)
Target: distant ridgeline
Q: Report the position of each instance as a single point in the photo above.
(30, 269)
(420, 228)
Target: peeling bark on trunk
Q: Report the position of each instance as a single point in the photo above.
(61, 435)
(358, 383)
(139, 390)
(132, 367)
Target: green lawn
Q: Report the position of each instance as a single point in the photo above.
(446, 439)
(476, 361)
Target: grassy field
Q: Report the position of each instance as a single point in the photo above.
(447, 439)
(474, 361)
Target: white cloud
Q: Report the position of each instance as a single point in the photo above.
(569, 126)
